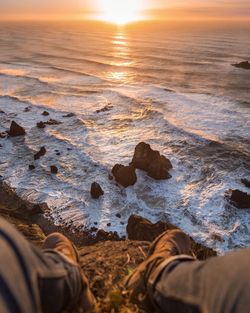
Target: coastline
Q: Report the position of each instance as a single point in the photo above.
(105, 258)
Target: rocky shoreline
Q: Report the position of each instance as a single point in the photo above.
(105, 257)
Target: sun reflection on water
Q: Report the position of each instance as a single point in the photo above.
(121, 55)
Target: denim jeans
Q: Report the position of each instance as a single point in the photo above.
(34, 280)
(217, 285)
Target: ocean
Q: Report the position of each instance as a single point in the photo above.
(170, 86)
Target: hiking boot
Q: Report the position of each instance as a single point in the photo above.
(66, 248)
(170, 246)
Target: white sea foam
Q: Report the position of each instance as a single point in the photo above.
(153, 91)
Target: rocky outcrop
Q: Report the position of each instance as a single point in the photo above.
(244, 65)
(151, 161)
(40, 153)
(53, 169)
(238, 198)
(96, 191)
(40, 125)
(45, 113)
(16, 130)
(246, 182)
(124, 175)
(13, 205)
(105, 258)
(52, 122)
(139, 228)
(103, 235)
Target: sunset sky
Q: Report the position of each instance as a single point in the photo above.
(103, 9)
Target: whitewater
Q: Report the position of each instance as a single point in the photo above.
(111, 89)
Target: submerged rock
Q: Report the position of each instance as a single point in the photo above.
(16, 130)
(151, 161)
(40, 124)
(105, 109)
(245, 65)
(238, 198)
(31, 167)
(2, 112)
(45, 113)
(96, 191)
(69, 115)
(53, 169)
(124, 175)
(52, 122)
(40, 153)
(246, 182)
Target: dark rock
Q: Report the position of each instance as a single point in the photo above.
(40, 153)
(52, 122)
(124, 175)
(40, 124)
(69, 115)
(53, 169)
(238, 198)
(16, 130)
(58, 153)
(105, 109)
(139, 228)
(40, 208)
(159, 169)
(45, 113)
(110, 177)
(151, 161)
(1, 146)
(69, 149)
(246, 182)
(96, 190)
(109, 224)
(95, 223)
(94, 229)
(245, 65)
(118, 215)
(217, 237)
(102, 235)
(2, 112)
(27, 109)
(31, 167)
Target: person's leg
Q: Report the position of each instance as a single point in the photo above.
(174, 282)
(35, 281)
(218, 285)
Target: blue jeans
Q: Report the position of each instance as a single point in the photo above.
(35, 281)
(217, 285)
(32, 280)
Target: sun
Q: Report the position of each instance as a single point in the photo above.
(120, 12)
